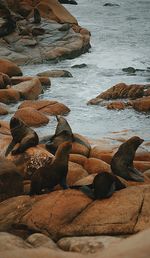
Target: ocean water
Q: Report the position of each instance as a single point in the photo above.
(120, 37)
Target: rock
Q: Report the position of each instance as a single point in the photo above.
(129, 70)
(82, 216)
(75, 173)
(4, 110)
(45, 81)
(55, 73)
(68, 2)
(120, 90)
(88, 180)
(31, 116)
(77, 158)
(49, 107)
(142, 165)
(30, 160)
(103, 154)
(11, 181)
(111, 4)
(29, 89)
(79, 66)
(93, 165)
(83, 149)
(8, 96)
(87, 244)
(4, 81)
(10, 242)
(38, 240)
(147, 173)
(141, 104)
(116, 105)
(9, 68)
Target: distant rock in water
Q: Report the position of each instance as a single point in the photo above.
(79, 66)
(132, 70)
(68, 2)
(111, 4)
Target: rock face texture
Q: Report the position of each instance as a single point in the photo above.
(51, 38)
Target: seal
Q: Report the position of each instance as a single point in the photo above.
(22, 134)
(54, 173)
(63, 133)
(5, 81)
(103, 186)
(10, 23)
(122, 161)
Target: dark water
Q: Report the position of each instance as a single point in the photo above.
(120, 38)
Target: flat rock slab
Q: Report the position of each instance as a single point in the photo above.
(71, 213)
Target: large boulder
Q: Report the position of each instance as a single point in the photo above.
(11, 181)
(45, 81)
(10, 95)
(9, 68)
(4, 81)
(30, 89)
(141, 104)
(31, 116)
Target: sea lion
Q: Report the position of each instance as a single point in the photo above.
(10, 23)
(122, 161)
(22, 134)
(63, 133)
(54, 173)
(5, 81)
(103, 186)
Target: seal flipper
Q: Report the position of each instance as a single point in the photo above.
(135, 174)
(111, 191)
(10, 147)
(86, 189)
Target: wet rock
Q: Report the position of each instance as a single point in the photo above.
(93, 165)
(83, 149)
(79, 66)
(77, 158)
(111, 4)
(49, 107)
(117, 105)
(87, 244)
(129, 70)
(55, 73)
(142, 165)
(11, 181)
(8, 96)
(31, 116)
(10, 242)
(120, 90)
(9, 68)
(4, 81)
(141, 104)
(68, 2)
(43, 80)
(29, 89)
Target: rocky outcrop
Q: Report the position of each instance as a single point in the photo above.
(46, 40)
(8, 67)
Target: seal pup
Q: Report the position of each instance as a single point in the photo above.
(22, 134)
(54, 173)
(63, 133)
(122, 161)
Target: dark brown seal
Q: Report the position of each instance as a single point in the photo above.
(5, 81)
(54, 173)
(22, 134)
(10, 23)
(63, 133)
(122, 161)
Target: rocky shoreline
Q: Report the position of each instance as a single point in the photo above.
(67, 222)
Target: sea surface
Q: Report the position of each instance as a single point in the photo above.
(120, 38)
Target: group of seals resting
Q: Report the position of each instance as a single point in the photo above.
(46, 178)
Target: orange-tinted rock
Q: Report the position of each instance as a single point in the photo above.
(141, 104)
(9, 68)
(8, 96)
(47, 106)
(75, 173)
(31, 116)
(142, 165)
(4, 110)
(103, 154)
(30, 160)
(77, 158)
(55, 73)
(83, 149)
(4, 81)
(29, 89)
(93, 165)
(11, 181)
(142, 156)
(19, 79)
(116, 105)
